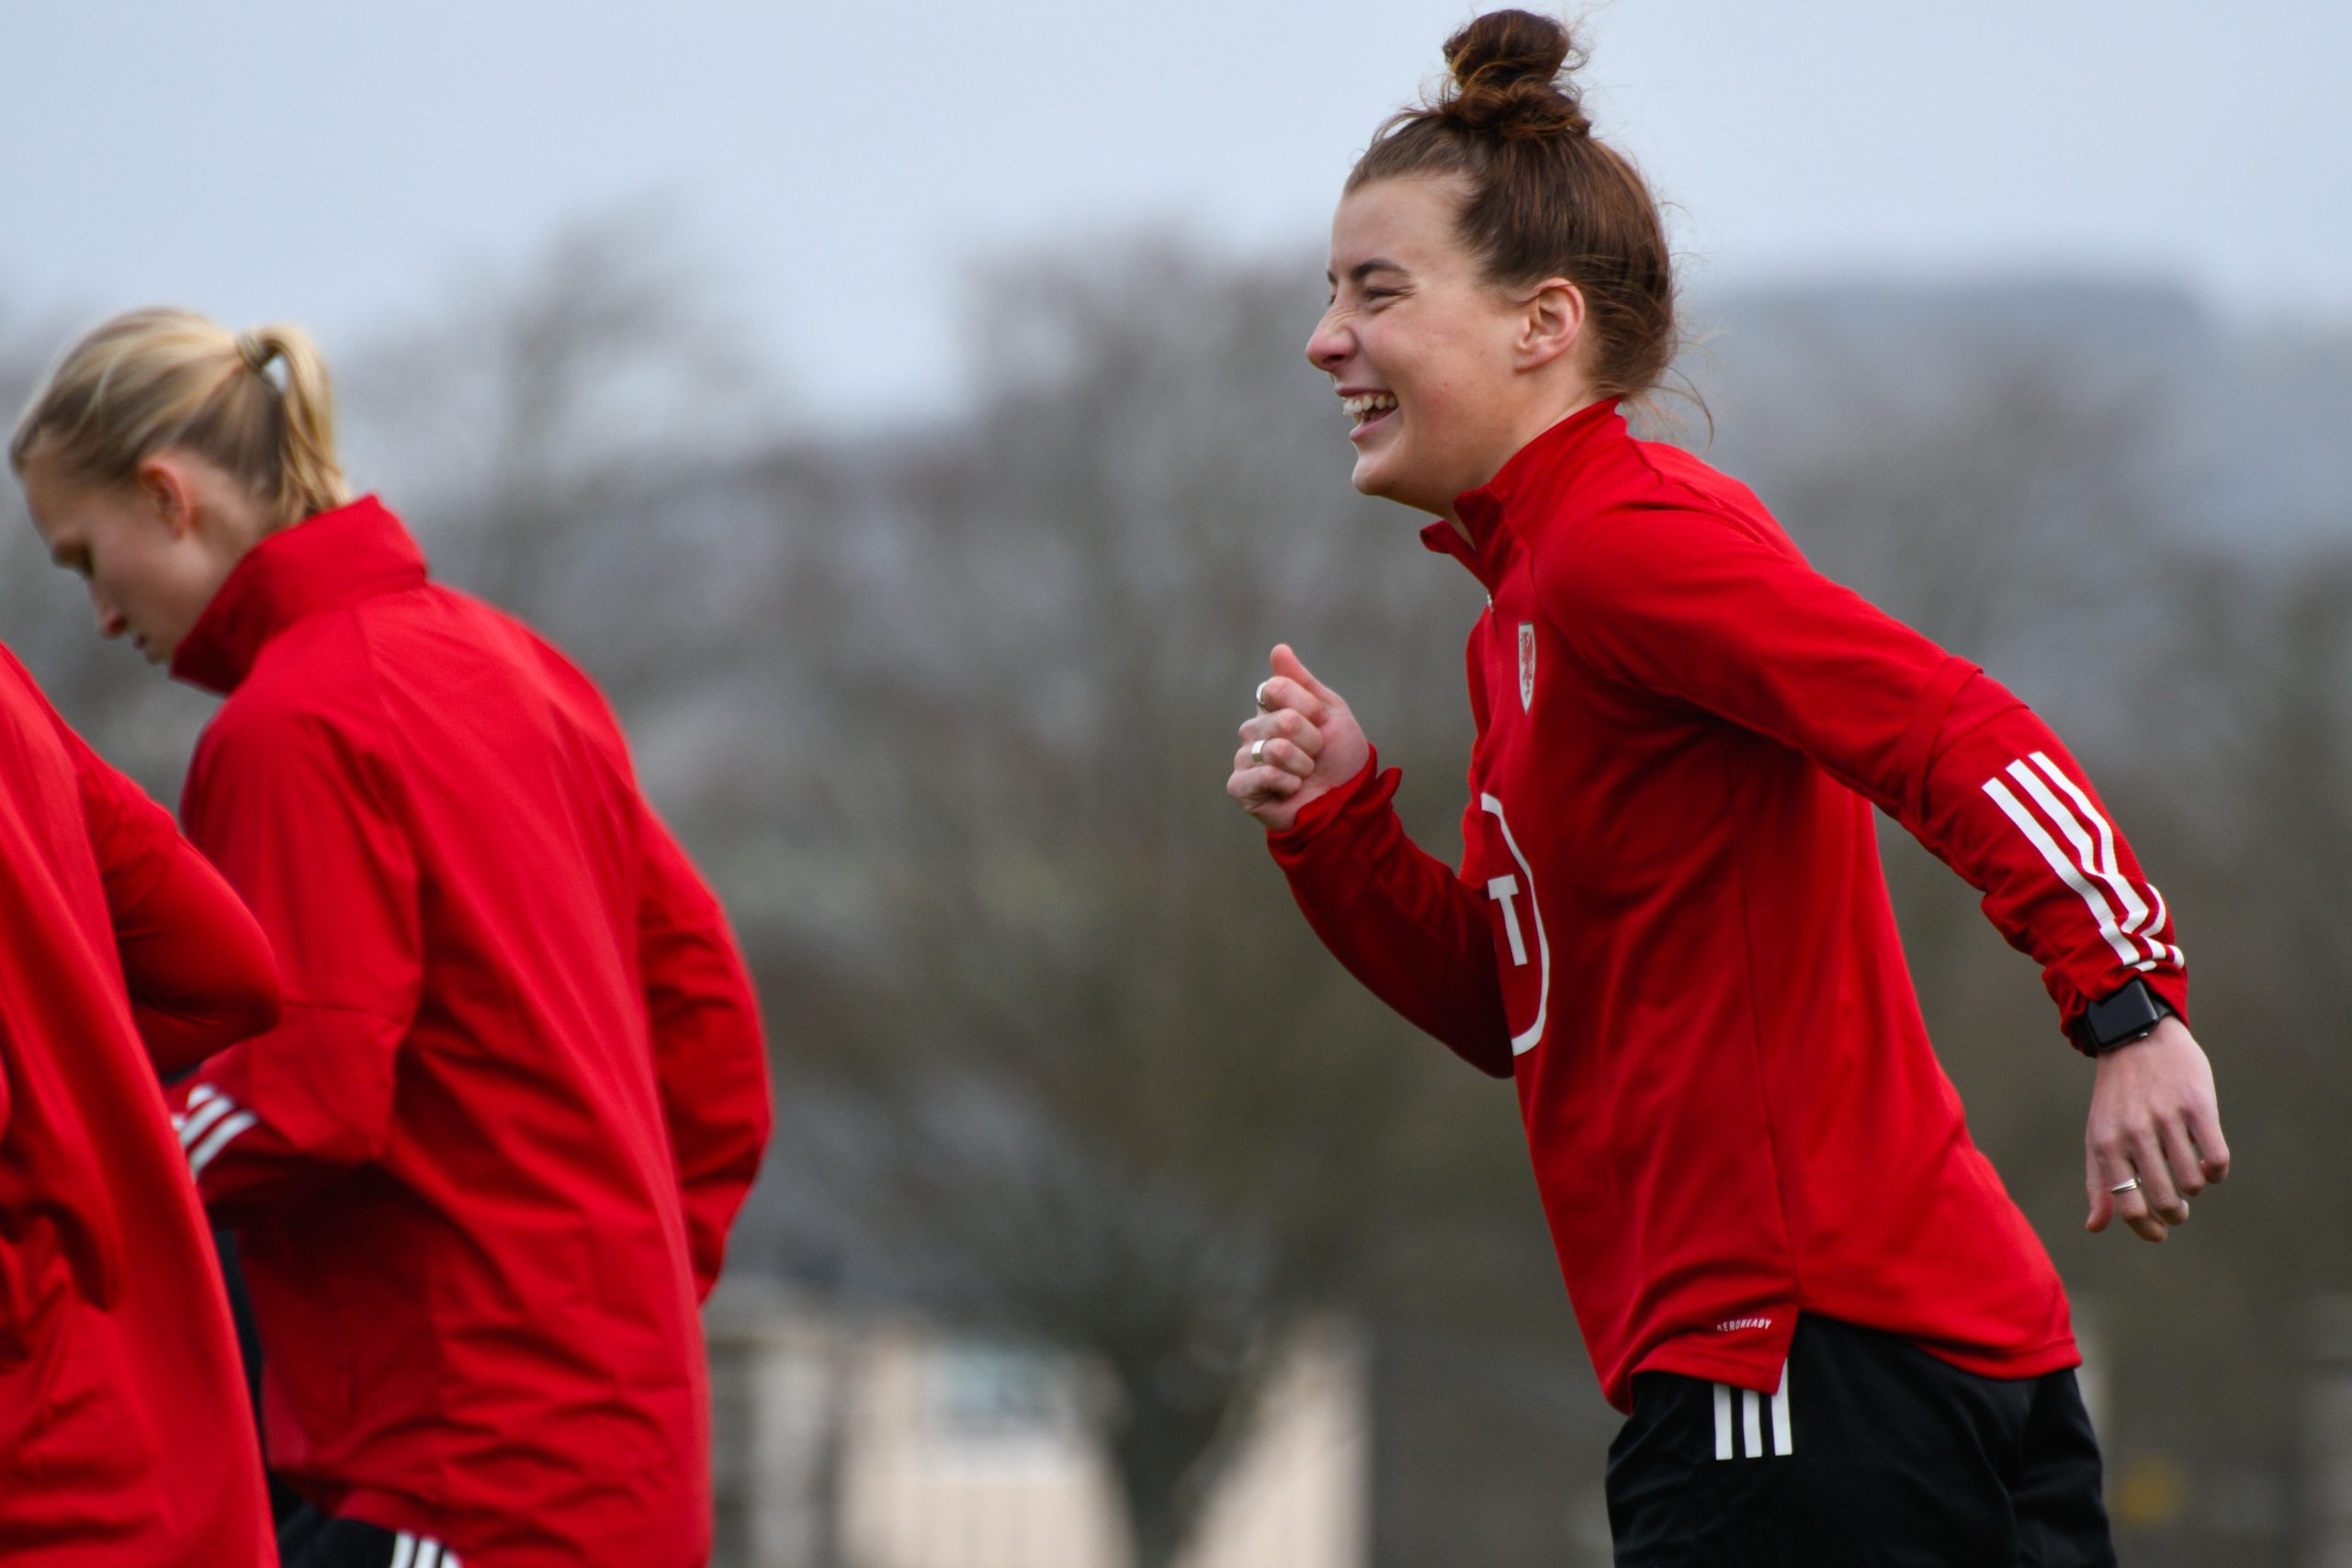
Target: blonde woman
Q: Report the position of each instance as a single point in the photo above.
(481, 1175)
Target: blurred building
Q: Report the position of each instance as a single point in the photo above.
(855, 1439)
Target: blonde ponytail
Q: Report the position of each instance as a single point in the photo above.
(153, 379)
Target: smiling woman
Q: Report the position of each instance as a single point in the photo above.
(1836, 1339)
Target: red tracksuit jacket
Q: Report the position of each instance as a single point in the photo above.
(125, 1437)
(481, 1175)
(1670, 925)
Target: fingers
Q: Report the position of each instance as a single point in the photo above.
(1282, 693)
(2111, 1167)
(1264, 790)
(1285, 664)
(2095, 1185)
(2149, 1206)
(1274, 756)
(2187, 1172)
(1275, 760)
(2213, 1151)
(1289, 737)
(2161, 1197)
(1253, 788)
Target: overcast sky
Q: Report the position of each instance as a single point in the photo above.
(837, 165)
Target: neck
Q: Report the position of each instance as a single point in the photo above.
(1523, 431)
(233, 524)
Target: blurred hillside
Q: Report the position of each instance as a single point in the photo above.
(946, 710)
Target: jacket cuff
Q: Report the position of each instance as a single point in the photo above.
(1341, 812)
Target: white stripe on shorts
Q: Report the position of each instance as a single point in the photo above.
(1750, 1425)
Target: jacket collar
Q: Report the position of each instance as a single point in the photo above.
(354, 552)
(1536, 474)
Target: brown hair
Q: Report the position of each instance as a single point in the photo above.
(1547, 197)
(157, 379)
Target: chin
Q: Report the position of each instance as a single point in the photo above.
(1382, 480)
(1376, 475)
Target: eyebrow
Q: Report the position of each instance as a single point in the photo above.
(1365, 269)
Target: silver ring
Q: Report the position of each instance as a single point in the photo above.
(1262, 704)
(2121, 1187)
(1258, 753)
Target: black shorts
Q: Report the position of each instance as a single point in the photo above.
(309, 1539)
(1875, 1454)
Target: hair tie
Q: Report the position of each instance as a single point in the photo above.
(255, 354)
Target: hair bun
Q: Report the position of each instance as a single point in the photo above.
(1509, 77)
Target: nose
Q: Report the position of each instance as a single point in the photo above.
(1330, 345)
(111, 622)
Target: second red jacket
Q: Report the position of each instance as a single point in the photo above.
(1670, 925)
(482, 1173)
(125, 1437)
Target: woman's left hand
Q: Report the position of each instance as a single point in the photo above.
(2153, 1119)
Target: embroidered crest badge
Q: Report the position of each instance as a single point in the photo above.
(1527, 665)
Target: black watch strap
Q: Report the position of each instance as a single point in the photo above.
(2121, 1017)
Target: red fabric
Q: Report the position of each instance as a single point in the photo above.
(125, 1437)
(1688, 962)
(520, 1089)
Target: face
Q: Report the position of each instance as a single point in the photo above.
(150, 568)
(1442, 375)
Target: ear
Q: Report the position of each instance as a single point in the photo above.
(1551, 322)
(170, 489)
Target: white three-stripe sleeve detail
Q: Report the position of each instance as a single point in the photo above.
(201, 1093)
(2106, 867)
(1783, 1441)
(428, 1553)
(1751, 1420)
(404, 1551)
(2015, 809)
(1723, 1421)
(2086, 856)
(223, 1136)
(198, 1121)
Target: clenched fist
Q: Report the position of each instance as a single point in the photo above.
(1301, 743)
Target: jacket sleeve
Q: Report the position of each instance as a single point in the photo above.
(303, 824)
(1397, 918)
(198, 969)
(1697, 609)
(709, 1052)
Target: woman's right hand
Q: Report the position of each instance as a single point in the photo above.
(1307, 740)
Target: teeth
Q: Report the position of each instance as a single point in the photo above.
(1364, 405)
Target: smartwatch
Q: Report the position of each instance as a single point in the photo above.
(2121, 1018)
